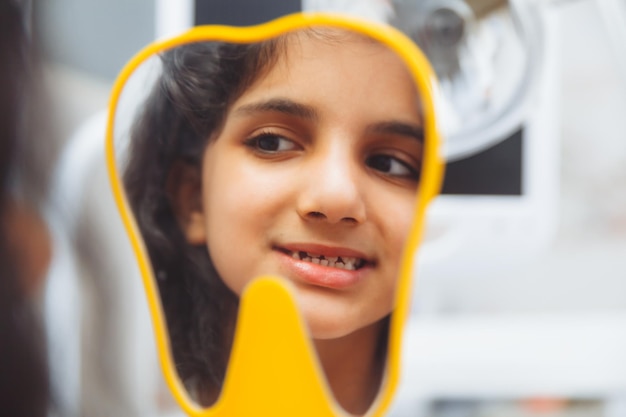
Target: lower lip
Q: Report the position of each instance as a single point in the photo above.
(320, 275)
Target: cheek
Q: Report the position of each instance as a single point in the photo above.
(404, 217)
(242, 194)
(227, 234)
(397, 214)
(398, 224)
(240, 204)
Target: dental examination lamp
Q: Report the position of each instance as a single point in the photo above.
(496, 66)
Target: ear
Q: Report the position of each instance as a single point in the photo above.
(184, 188)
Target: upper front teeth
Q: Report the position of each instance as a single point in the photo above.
(343, 262)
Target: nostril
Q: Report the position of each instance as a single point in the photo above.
(317, 215)
(350, 220)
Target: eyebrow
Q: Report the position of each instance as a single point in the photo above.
(279, 105)
(292, 108)
(395, 127)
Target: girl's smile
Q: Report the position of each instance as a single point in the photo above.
(313, 177)
(325, 266)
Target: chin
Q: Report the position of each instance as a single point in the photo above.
(329, 332)
(328, 326)
(337, 328)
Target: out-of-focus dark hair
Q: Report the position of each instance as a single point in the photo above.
(24, 389)
(186, 110)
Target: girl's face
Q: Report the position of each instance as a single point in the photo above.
(313, 178)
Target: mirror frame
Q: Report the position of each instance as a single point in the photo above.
(248, 388)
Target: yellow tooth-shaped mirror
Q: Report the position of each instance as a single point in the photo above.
(273, 181)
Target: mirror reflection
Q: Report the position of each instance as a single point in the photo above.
(298, 157)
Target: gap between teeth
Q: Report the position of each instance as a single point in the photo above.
(343, 262)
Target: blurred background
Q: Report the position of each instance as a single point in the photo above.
(520, 298)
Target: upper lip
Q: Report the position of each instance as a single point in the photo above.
(325, 250)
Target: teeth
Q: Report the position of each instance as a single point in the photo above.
(344, 262)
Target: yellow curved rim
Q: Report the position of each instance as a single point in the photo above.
(432, 172)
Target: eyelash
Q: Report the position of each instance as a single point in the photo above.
(255, 141)
(412, 174)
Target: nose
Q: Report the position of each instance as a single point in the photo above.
(332, 190)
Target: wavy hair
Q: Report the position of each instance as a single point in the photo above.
(184, 111)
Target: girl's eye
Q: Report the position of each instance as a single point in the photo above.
(392, 166)
(271, 143)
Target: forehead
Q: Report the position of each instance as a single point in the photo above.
(330, 47)
(330, 65)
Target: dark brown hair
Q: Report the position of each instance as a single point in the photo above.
(184, 111)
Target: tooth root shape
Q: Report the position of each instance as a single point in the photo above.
(340, 265)
(324, 262)
(295, 255)
(315, 260)
(332, 259)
